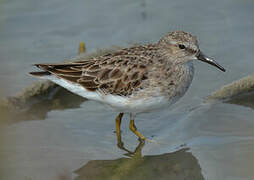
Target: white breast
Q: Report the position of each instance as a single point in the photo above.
(186, 79)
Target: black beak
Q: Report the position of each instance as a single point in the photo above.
(200, 56)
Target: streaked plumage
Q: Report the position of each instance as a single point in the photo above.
(133, 80)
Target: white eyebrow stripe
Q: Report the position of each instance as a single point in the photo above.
(189, 46)
(173, 42)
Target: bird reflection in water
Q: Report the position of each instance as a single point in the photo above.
(179, 165)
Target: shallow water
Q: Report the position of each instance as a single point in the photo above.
(77, 142)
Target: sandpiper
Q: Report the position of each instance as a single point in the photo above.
(133, 80)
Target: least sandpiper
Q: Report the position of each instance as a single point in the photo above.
(133, 80)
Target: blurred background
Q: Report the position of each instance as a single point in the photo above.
(72, 143)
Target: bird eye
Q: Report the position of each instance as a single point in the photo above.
(181, 46)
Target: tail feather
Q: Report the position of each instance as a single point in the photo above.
(60, 70)
(63, 65)
(40, 73)
(45, 71)
(44, 67)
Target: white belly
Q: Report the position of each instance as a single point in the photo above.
(115, 102)
(185, 80)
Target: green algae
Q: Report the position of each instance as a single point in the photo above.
(177, 165)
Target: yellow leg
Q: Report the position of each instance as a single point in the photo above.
(120, 144)
(82, 48)
(135, 131)
(118, 129)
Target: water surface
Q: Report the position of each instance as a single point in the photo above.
(73, 142)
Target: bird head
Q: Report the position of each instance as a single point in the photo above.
(182, 47)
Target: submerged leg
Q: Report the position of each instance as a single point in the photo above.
(118, 130)
(137, 154)
(138, 150)
(133, 128)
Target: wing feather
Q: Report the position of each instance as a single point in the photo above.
(118, 73)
